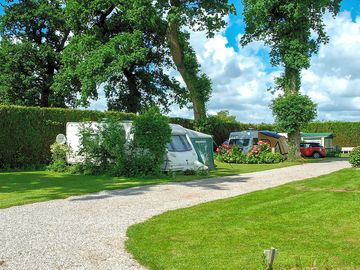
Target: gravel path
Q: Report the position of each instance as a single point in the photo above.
(88, 232)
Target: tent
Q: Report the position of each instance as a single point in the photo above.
(203, 144)
(246, 139)
(275, 140)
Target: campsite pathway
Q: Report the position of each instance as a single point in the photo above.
(88, 232)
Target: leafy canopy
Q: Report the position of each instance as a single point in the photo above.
(293, 111)
(33, 35)
(115, 47)
(292, 29)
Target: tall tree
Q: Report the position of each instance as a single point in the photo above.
(116, 47)
(33, 35)
(197, 15)
(294, 31)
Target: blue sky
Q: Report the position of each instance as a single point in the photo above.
(241, 76)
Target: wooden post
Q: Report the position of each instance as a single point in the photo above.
(270, 257)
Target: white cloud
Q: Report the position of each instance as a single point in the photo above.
(241, 78)
(333, 80)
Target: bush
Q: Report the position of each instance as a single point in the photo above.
(102, 148)
(273, 158)
(354, 157)
(260, 154)
(26, 133)
(152, 133)
(58, 156)
(335, 152)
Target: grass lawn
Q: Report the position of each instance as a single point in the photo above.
(315, 224)
(17, 188)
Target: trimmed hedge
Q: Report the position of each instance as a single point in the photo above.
(347, 134)
(26, 133)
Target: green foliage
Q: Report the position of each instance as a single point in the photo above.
(226, 117)
(198, 16)
(207, 15)
(292, 29)
(103, 148)
(33, 35)
(335, 152)
(58, 157)
(260, 154)
(113, 45)
(292, 111)
(354, 157)
(152, 133)
(293, 153)
(27, 132)
(346, 133)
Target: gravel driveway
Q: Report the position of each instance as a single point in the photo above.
(88, 232)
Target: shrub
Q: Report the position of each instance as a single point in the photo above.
(152, 133)
(270, 158)
(354, 157)
(102, 148)
(260, 154)
(58, 156)
(26, 133)
(335, 152)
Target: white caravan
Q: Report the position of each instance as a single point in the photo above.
(180, 154)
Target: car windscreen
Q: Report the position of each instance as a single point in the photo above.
(179, 143)
(239, 142)
(315, 145)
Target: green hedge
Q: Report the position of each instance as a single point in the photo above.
(26, 133)
(347, 133)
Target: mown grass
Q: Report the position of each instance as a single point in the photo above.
(315, 224)
(23, 187)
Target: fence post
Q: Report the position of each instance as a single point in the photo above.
(270, 257)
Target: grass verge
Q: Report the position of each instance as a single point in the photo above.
(313, 223)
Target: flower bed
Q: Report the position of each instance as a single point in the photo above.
(260, 154)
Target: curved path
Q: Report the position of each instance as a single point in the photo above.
(88, 232)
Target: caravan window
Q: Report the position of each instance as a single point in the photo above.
(240, 142)
(179, 143)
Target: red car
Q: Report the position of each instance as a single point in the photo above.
(315, 150)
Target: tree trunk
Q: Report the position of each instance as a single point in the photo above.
(177, 54)
(46, 91)
(292, 87)
(133, 101)
(294, 142)
(293, 81)
(45, 94)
